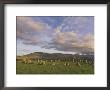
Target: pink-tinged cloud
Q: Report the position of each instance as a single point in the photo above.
(74, 34)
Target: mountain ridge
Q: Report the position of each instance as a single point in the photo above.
(54, 56)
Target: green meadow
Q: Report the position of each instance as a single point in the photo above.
(56, 68)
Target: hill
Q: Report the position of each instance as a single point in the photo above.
(54, 56)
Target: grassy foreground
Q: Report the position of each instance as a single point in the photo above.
(58, 68)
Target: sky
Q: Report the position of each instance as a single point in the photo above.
(55, 34)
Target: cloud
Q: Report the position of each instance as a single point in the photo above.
(71, 42)
(31, 32)
(74, 34)
(30, 23)
(78, 24)
(68, 42)
(64, 37)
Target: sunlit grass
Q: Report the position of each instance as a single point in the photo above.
(58, 68)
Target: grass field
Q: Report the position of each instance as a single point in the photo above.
(58, 68)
